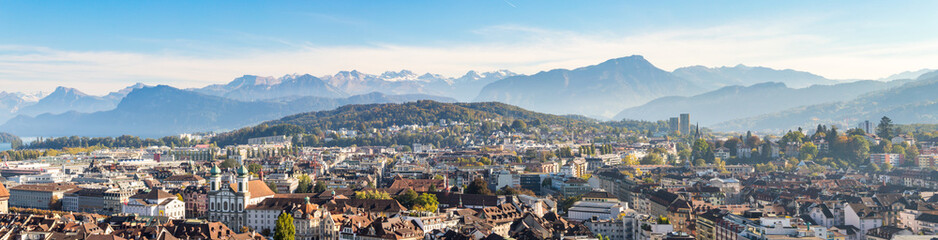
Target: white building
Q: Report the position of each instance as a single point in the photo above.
(263, 216)
(722, 153)
(505, 178)
(625, 228)
(824, 216)
(597, 206)
(283, 182)
(422, 148)
(583, 210)
(862, 217)
(155, 203)
(51, 177)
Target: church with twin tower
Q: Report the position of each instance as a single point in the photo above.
(227, 202)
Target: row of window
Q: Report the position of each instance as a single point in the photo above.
(225, 206)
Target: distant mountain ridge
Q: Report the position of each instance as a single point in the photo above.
(907, 75)
(736, 102)
(912, 102)
(254, 88)
(742, 75)
(10, 103)
(598, 90)
(463, 88)
(163, 110)
(65, 99)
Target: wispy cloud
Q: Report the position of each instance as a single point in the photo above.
(510, 4)
(518, 48)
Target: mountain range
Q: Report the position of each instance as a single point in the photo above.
(10, 103)
(742, 75)
(736, 102)
(164, 110)
(912, 102)
(254, 88)
(69, 99)
(733, 98)
(599, 90)
(463, 88)
(347, 83)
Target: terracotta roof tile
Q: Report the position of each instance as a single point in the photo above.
(4, 193)
(257, 188)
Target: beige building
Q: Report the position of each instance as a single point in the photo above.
(39, 196)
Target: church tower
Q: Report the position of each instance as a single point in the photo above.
(216, 178)
(243, 179)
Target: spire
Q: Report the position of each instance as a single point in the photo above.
(697, 134)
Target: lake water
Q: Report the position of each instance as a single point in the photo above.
(5, 146)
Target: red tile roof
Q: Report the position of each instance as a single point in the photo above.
(257, 188)
(4, 193)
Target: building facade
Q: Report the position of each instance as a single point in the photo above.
(155, 203)
(227, 203)
(39, 196)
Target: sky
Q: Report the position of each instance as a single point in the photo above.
(102, 46)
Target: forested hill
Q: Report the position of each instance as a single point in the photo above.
(13, 140)
(419, 112)
(493, 116)
(483, 118)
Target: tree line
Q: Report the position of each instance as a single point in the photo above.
(109, 142)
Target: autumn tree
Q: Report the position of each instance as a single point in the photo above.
(808, 151)
(426, 202)
(284, 230)
(372, 194)
(630, 160)
(408, 199)
(305, 184)
(255, 168)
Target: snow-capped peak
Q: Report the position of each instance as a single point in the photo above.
(471, 75)
(403, 75)
(501, 73)
(429, 77)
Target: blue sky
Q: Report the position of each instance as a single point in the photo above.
(101, 46)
